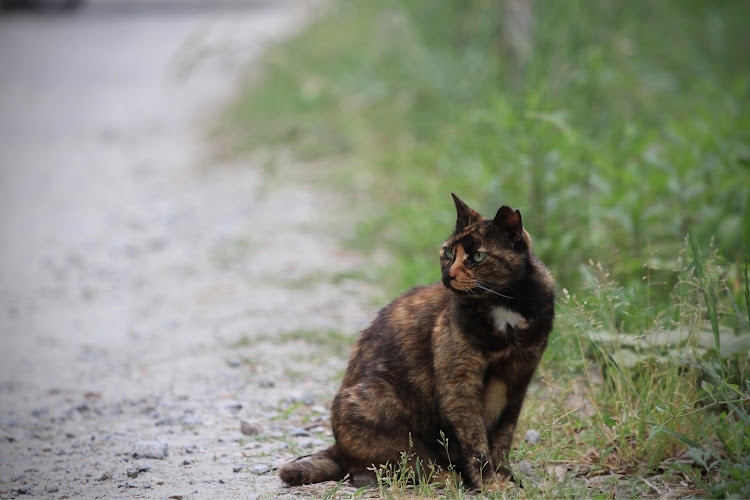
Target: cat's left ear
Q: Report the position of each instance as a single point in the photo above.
(464, 215)
(509, 220)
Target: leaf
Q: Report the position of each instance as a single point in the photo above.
(697, 455)
(660, 428)
(707, 386)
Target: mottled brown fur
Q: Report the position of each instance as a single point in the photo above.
(455, 357)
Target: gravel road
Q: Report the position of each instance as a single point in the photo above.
(152, 298)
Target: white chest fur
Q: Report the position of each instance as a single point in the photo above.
(503, 318)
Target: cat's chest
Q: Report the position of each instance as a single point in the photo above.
(503, 318)
(494, 399)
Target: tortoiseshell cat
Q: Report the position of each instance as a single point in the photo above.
(455, 357)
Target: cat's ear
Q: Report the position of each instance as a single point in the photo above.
(465, 215)
(509, 220)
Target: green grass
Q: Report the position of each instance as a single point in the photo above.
(626, 130)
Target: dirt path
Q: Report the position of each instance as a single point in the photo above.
(147, 294)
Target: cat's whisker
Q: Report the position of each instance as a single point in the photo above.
(485, 288)
(505, 288)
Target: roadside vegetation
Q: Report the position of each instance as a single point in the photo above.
(621, 130)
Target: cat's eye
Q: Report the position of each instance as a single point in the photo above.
(478, 256)
(448, 253)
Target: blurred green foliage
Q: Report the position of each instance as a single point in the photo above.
(629, 125)
(627, 129)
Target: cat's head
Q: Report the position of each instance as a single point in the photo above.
(483, 257)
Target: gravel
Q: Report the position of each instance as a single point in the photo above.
(250, 428)
(151, 449)
(135, 263)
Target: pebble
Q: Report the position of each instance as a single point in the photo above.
(83, 407)
(132, 472)
(189, 420)
(151, 449)
(298, 432)
(238, 468)
(105, 476)
(532, 437)
(250, 428)
(232, 406)
(524, 467)
(190, 448)
(259, 469)
(23, 490)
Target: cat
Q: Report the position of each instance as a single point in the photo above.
(445, 364)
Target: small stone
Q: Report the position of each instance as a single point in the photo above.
(22, 490)
(532, 437)
(105, 476)
(132, 472)
(144, 468)
(51, 488)
(238, 468)
(189, 420)
(175, 497)
(157, 480)
(250, 428)
(151, 449)
(83, 407)
(299, 432)
(186, 462)
(259, 469)
(525, 468)
(232, 406)
(190, 448)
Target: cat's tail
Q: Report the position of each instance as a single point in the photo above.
(315, 468)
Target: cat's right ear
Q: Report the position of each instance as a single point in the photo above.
(465, 215)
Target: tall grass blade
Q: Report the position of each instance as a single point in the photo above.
(747, 287)
(707, 290)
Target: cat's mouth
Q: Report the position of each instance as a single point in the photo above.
(457, 286)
